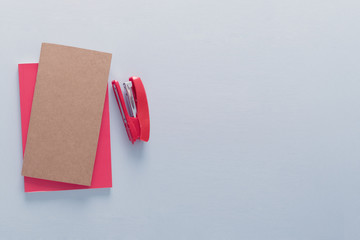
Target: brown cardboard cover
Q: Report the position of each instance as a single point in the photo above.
(66, 114)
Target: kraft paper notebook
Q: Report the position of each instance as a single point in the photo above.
(102, 168)
(66, 114)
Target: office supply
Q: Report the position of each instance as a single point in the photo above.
(135, 110)
(66, 114)
(102, 177)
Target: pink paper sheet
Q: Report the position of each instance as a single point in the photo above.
(102, 177)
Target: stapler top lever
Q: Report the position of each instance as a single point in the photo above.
(134, 109)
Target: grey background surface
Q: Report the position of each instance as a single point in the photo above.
(254, 110)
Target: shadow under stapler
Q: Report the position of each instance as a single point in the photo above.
(136, 151)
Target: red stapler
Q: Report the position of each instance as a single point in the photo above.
(134, 110)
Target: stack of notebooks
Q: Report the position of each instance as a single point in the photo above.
(65, 120)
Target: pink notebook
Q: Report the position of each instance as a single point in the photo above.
(102, 169)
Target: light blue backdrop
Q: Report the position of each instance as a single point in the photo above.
(254, 110)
